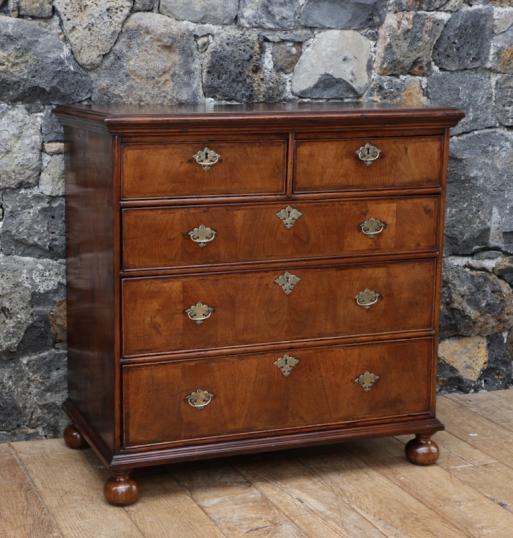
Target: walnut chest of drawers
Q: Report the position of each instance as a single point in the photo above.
(246, 279)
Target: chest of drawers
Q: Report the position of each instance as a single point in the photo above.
(245, 279)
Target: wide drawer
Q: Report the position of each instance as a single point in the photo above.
(210, 311)
(335, 165)
(316, 388)
(203, 168)
(176, 237)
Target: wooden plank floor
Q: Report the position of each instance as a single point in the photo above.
(363, 489)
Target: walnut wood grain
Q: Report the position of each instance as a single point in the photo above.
(331, 165)
(157, 238)
(90, 271)
(135, 166)
(251, 394)
(169, 170)
(127, 119)
(251, 308)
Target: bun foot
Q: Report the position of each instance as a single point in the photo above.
(422, 450)
(121, 490)
(73, 438)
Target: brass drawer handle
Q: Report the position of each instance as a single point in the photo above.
(372, 227)
(366, 380)
(288, 215)
(368, 154)
(199, 312)
(367, 298)
(202, 235)
(199, 398)
(206, 158)
(286, 363)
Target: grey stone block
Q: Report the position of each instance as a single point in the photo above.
(467, 90)
(480, 198)
(235, 71)
(334, 65)
(201, 11)
(405, 43)
(276, 14)
(20, 147)
(155, 60)
(350, 14)
(504, 100)
(465, 40)
(33, 225)
(35, 8)
(37, 66)
(474, 302)
(92, 27)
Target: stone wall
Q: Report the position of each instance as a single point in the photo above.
(444, 52)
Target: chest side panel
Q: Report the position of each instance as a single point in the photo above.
(91, 278)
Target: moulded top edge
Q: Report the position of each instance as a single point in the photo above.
(131, 117)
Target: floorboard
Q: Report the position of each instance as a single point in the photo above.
(22, 512)
(359, 489)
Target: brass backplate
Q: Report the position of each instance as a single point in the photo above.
(367, 298)
(202, 235)
(368, 154)
(366, 380)
(372, 227)
(199, 398)
(206, 158)
(199, 312)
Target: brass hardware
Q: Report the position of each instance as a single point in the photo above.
(372, 227)
(368, 154)
(288, 215)
(286, 364)
(199, 312)
(367, 298)
(206, 158)
(366, 380)
(287, 282)
(202, 235)
(199, 398)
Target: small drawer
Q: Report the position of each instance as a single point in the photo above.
(237, 395)
(366, 164)
(181, 313)
(203, 168)
(197, 236)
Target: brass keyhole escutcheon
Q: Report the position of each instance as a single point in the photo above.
(286, 363)
(289, 215)
(287, 282)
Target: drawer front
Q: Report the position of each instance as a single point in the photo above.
(210, 311)
(275, 391)
(154, 238)
(183, 169)
(334, 165)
